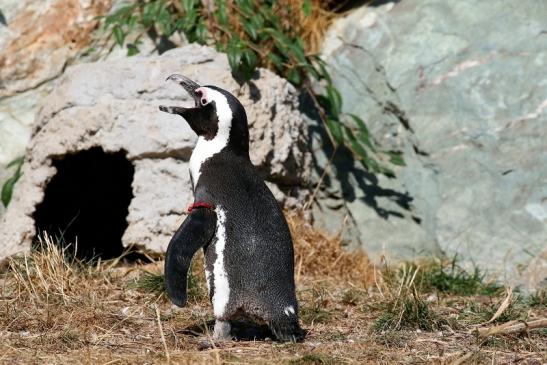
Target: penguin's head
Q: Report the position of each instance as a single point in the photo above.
(217, 115)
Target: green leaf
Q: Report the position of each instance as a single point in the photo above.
(131, 22)
(364, 134)
(17, 162)
(246, 7)
(126, 11)
(281, 40)
(164, 23)
(276, 60)
(250, 30)
(108, 20)
(335, 128)
(148, 14)
(323, 72)
(360, 123)
(188, 5)
(201, 33)
(354, 144)
(335, 100)
(298, 49)
(396, 158)
(234, 56)
(7, 188)
(250, 59)
(119, 36)
(221, 13)
(306, 7)
(311, 70)
(132, 49)
(293, 75)
(258, 22)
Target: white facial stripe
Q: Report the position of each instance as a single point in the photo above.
(205, 149)
(221, 285)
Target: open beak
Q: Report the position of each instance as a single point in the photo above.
(190, 87)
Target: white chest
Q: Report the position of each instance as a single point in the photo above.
(204, 150)
(221, 293)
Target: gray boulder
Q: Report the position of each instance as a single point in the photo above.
(113, 105)
(460, 87)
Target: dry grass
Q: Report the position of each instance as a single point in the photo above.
(311, 28)
(318, 254)
(55, 311)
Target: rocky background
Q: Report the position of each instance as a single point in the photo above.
(38, 40)
(113, 105)
(459, 87)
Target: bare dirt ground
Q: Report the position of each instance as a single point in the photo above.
(57, 312)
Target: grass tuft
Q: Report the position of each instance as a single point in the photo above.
(316, 308)
(479, 311)
(403, 307)
(151, 283)
(409, 313)
(47, 275)
(537, 299)
(352, 296)
(450, 278)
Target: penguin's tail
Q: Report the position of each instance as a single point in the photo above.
(287, 329)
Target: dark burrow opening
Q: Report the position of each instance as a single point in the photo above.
(86, 203)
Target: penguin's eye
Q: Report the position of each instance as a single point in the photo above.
(202, 98)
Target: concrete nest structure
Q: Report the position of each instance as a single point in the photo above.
(106, 169)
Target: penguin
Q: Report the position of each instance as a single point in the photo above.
(248, 249)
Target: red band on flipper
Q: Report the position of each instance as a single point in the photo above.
(200, 205)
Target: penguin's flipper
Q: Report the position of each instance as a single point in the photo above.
(195, 232)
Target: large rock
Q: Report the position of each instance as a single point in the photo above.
(37, 41)
(114, 105)
(460, 87)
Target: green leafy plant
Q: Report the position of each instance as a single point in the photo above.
(256, 34)
(7, 188)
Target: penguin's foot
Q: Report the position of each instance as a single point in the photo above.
(222, 331)
(221, 335)
(287, 330)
